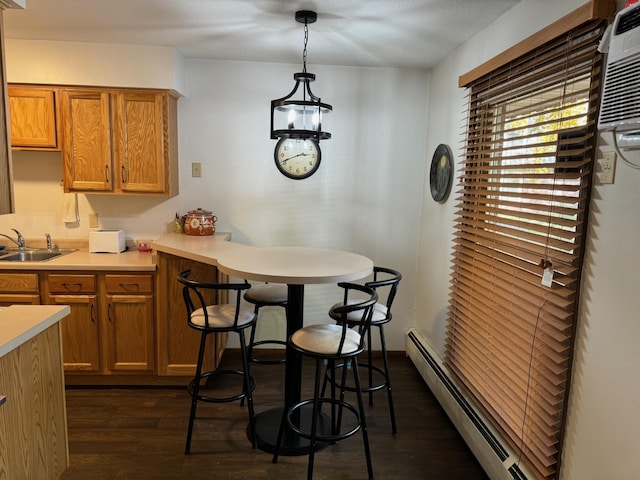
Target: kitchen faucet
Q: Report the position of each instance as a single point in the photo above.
(19, 241)
(48, 237)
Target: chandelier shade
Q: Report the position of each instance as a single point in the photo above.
(300, 116)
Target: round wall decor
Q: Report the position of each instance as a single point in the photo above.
(441, 173)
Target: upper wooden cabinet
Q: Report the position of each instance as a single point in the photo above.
(120, 141)
(86, 145)
(33, 114)
(142, 143)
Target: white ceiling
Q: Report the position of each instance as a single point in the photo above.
(401, 33)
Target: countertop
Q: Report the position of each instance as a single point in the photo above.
(20, 323)
(83, 260)
(204, 249)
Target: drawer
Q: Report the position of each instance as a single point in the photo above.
(129, 283)
(19, 282)
(71, 283)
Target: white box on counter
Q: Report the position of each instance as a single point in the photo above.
(107, 241)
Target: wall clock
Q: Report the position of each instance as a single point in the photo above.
(441, 173)
(297, 158)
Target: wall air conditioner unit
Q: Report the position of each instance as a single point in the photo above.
(620, 107)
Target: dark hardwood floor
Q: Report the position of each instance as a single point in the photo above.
(139, 433)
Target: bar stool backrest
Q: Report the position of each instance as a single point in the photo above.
(382, 278)
(194, 299)
(362, 306)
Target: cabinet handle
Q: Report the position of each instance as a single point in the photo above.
(130, 286)
(2, 399)
(122, 174)
(93, 319)
(72, 286)
(106, 173)
(109, 313)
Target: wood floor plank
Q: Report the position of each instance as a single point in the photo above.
(139, 434)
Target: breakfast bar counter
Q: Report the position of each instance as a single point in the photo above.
(293, 266)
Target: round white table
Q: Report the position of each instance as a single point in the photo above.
(296, 267)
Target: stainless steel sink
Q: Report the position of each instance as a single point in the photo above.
(31, 255)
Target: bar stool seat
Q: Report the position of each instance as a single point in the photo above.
(267, 295)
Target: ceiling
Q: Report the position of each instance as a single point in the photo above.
(398, 33)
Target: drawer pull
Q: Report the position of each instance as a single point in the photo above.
(72, 286)
(130, 286)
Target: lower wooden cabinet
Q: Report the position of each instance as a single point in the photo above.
(33, 424)
(128, 337)
(178, 342)
(111, 326)
(124, 327)
(81, 329)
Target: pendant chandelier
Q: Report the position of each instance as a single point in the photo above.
(302, 117)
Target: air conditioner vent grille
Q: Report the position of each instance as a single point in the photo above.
(621, 93)
(628, 21)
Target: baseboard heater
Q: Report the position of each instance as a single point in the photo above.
(492, 452)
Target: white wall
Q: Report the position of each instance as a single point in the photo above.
(604, 410)
(364, 198)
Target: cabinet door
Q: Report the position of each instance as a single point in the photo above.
(33, 118)
(80, 333)
(33, 423)
(129, 344)
(86, 141)
(177, 342)
(140, 133)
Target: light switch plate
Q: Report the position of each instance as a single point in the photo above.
(93, 220)
(608, 167)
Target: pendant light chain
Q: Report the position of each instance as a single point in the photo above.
(304, 51)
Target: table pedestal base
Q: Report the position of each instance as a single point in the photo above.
(268, 424)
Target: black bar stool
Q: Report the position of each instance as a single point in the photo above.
(267, 295)
(208, 319)
(329, 343)
(384, 279)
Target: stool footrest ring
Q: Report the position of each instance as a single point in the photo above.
(334, 436)
(215, 373)
(255, 359)
(363, 388)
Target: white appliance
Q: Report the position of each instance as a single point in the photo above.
(107, 241)
(620, 107)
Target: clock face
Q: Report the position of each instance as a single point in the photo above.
(297, 158)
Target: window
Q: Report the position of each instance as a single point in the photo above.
(519, 238)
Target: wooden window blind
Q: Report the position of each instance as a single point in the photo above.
(522, 207)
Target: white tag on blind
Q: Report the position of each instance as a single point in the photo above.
(547, 277)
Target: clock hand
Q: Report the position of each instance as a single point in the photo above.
(298, 155)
